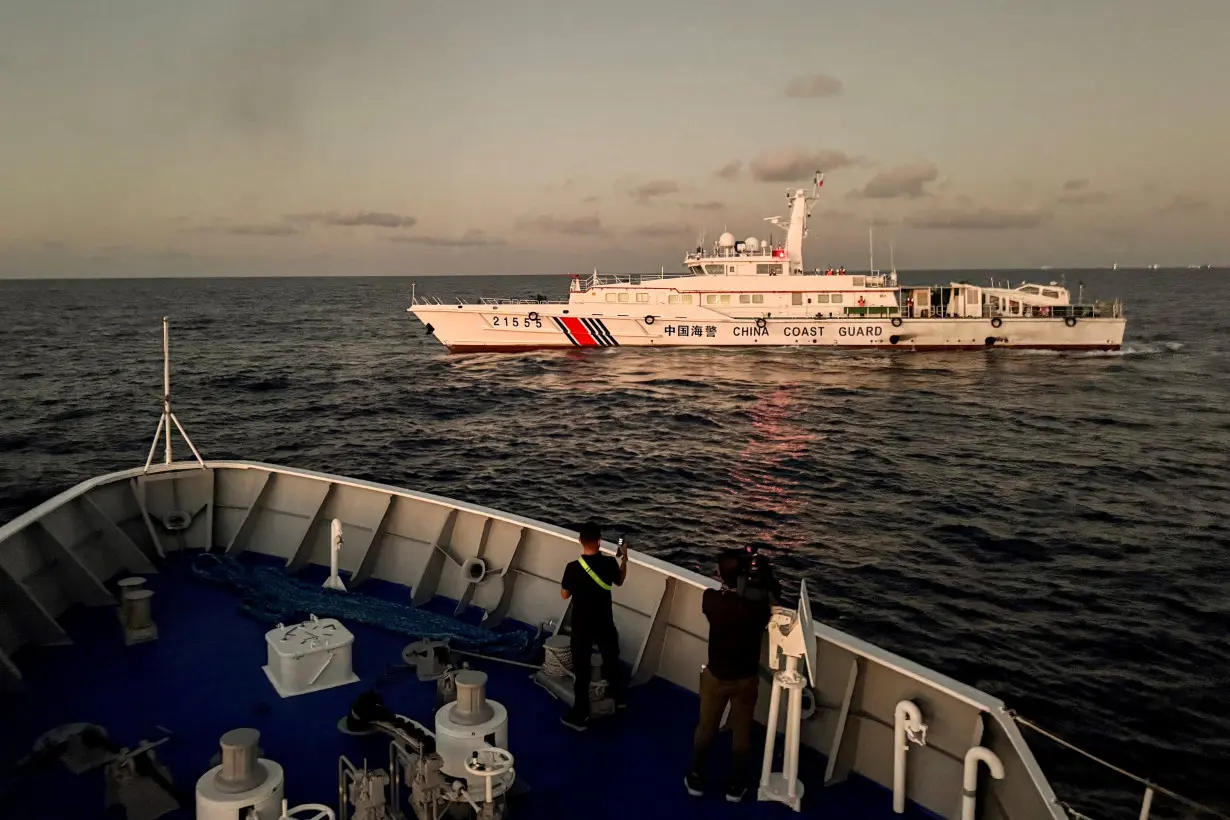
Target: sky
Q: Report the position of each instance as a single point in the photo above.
(141, 137)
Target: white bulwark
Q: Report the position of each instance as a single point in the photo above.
(754, 292)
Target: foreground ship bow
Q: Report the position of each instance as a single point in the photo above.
(756, 293)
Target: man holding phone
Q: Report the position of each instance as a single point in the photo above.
(588, 582)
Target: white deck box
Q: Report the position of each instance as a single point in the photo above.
(309, 656)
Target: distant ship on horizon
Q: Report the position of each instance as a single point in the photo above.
(757, 293)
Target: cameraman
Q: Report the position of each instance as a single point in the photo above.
(738, 615)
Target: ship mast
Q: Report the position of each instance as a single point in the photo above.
(796, 230)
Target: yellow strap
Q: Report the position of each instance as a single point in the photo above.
(593, 575)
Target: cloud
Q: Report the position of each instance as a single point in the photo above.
(658, 187)
(811, 86)
(796, 164)
(473, 238)
(730, 170)
(902, 181)
(711, 205)
(1083, 197)
(579, 226)
(591, 199)
(1184, 204)
(981, 219)
(261, 229)
(373, 219)
(834, 215)
(260, 72)
(660, 229)
(1076, 184)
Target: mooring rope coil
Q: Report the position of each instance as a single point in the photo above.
(1187, 801)
(557, 662)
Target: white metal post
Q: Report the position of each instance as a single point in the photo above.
(766, 768)
(168, 419)
(1147, 804)
(166, 383)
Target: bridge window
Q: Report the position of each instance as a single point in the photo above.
(610, 297)
(642, 297)
(822, 298)
(757, 298)
(1051, 294)
(769, 270)
(796, 298)
(837, 298)
(1030, 289)
(623, 297)
(716, 270)
(859, 281)
(711, 299)
(745, 298)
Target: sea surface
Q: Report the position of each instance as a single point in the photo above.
(1052, 528)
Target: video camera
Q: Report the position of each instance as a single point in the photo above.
(756, 579)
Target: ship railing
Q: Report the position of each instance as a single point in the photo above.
(632, 278)
(432, 301)
(1151, 789)
(625, 278)
(1095, 310)
(493, 300)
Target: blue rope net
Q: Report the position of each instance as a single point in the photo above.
(273, 596)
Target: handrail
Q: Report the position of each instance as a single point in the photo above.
(1151, 788)
(495, 300)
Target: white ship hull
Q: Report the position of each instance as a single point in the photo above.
(511, 328)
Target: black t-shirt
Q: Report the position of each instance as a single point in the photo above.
(736, 629)
(591, 604)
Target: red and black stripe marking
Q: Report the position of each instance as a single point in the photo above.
(585, 332)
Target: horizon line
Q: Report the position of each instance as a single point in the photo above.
(1052, 269)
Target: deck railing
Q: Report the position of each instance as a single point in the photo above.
(1151, 789)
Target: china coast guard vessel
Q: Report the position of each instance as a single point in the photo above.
(235, 640)
(753, 292)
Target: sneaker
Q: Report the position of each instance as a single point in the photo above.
(735, 794)
(694, 784)
(573, 721)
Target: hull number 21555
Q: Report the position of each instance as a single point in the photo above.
(515, 321)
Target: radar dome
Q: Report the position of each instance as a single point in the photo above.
(753, 244)
(726, 240)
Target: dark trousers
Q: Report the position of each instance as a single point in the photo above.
(715, 693)
(582, 645)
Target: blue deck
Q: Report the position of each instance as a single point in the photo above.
(203, 677)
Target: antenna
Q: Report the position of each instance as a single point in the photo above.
(168, 418)
(871, 248)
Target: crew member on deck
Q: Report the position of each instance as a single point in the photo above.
(737, 627)
(588, 581)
